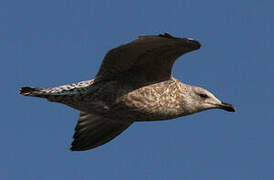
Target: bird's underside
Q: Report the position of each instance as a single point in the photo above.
(109, 108)
(134, 83)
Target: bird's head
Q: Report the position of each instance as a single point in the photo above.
(199, 99)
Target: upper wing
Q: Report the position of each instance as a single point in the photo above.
(148, 59)
(92, 131)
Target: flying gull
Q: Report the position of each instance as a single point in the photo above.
(134, 83)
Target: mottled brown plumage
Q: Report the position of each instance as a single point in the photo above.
(134, 83)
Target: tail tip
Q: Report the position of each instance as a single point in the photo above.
(26, 91)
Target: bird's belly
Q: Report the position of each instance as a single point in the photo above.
(140, 114)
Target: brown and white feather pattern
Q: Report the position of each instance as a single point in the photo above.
(158, 101)
(134, 83)
(69, 89)
(70, 94)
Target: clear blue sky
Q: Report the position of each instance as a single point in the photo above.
(50, 43)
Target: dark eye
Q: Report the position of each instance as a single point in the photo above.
(203, 96)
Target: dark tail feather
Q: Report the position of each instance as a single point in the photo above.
(30, 91)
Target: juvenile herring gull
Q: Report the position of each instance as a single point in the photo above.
(134, 83)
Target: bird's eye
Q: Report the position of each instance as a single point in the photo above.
(203, 96)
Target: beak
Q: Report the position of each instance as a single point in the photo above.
(227, 107)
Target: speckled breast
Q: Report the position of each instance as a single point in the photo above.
(159, 101)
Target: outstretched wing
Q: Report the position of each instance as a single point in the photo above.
(148, 59)
(92, 131)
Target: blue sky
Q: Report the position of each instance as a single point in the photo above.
(50, 43)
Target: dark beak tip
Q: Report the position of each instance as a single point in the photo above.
(233, 109)
(228, 107)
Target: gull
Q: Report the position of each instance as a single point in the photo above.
(134, 83)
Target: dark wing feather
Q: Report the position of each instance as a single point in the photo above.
(92, 131)
(148, 59)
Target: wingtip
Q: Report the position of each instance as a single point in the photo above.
(73, 148)
(192, 42)
(167, 35)
(164, 35)
(196, 44)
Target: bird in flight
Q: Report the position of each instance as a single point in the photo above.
(134, 83)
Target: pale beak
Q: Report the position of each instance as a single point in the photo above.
(227, 107)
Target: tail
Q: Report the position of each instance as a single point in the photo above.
(53, 94)
(30, 91)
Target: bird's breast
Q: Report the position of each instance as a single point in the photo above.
(159, 101)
